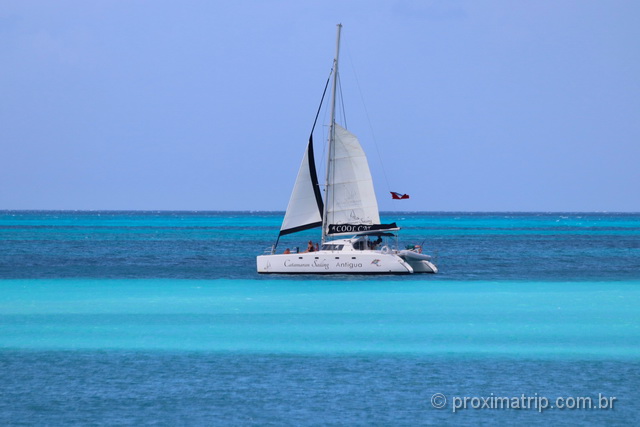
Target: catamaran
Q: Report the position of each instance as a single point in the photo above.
(353, 238)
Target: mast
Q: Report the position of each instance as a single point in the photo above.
(332, 132)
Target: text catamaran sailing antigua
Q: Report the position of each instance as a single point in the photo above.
(353, 239)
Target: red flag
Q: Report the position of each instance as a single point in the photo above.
(398, 196)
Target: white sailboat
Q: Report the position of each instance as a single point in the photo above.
(353, 239)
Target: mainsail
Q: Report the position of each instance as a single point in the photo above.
(350, 194)
(305, 205)
(351, 200)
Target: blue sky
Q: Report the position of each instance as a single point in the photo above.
(204, 105)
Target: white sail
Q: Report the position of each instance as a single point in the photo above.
(350, 208)
(351, 198)
(305, 205)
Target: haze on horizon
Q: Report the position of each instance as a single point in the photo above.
(199, 105)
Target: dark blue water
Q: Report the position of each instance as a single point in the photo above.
(160, 318)
(196, 245)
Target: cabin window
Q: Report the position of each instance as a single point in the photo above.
(359, 245)
(330, 247)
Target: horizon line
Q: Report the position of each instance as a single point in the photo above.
(282, 211)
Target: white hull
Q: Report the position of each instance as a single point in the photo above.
(420, 263)
(423, 266)
(334, 262)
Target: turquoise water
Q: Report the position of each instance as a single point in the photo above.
(527, 319)
(160, 318)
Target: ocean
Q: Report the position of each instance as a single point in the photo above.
(139, 318)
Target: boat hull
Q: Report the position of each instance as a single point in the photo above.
(420, 263)
(328, 262)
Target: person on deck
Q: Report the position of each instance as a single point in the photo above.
(374, 243)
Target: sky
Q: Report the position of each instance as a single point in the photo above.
(474, 105)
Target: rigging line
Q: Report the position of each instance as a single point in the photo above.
(324, 133)
(375, 142)
(325, 138)
(324, 92)
(344, 112)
